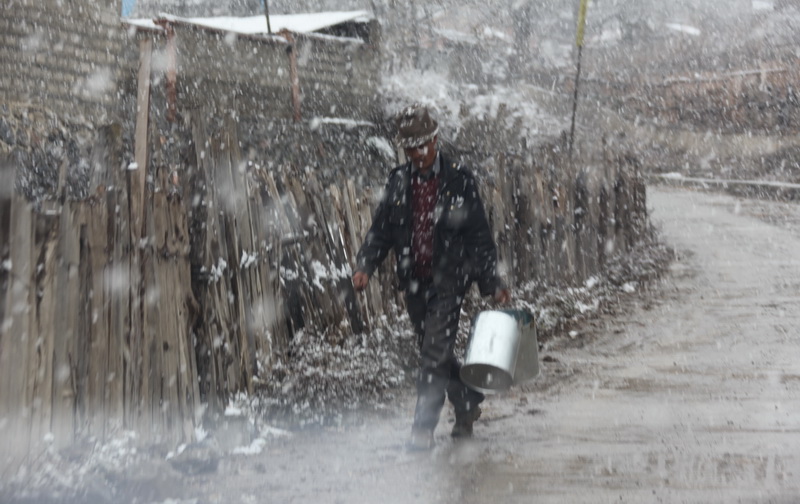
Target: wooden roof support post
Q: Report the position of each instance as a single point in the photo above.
(133, 403)
(293, 75)
(138, 180)
(172, 69)
(172, 74)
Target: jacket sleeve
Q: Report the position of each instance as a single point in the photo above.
(478, 242)
(378, 241)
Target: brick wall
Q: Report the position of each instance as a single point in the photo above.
(61, 56)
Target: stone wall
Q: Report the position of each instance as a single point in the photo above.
(197, 8)
(340, 79)
(61, 56)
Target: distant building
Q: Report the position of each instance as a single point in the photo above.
(79, 61)
(323, 64)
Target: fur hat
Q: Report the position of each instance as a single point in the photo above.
(415, 126)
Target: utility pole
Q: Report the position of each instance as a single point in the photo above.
(579, 43)
(415, 26)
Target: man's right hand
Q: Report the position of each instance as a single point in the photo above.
(360, 280)
(502, 296)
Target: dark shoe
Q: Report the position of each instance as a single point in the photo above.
(464, 421)
(420, 440)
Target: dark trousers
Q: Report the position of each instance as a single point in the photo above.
(435, 320)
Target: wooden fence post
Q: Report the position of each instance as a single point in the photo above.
(67, 296)
(17, 332)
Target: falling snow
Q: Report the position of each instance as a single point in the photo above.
(670, 378)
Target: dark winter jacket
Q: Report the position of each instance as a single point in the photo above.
(463, 248)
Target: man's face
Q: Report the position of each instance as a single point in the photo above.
(423, 156)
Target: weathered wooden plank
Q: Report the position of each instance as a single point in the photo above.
(16, 331)
(133, 217)
(345, 227)
(564, 238)
(380, 288)
(221, 330)
(520, 249)
(506, 253)
(97, 247)
(135, 379)
(528, 252)
(261, 293)
(353, 230)
(240, 242)
(605, 224)
(67, 294)
(150, 420)
(322, 297)
(584, 214)
(271, 246)
(45, 328)
(494, 200)
(332, 257)
(112, 406)
(5, 241)
(338, 228)
(296, 285)
(118, 296)
(269, 337)
(30, 342)
(197, 193)
(544, 223)
(162, 296)
(620, 212)
(638, 209)
(171, 293)
(140, 134)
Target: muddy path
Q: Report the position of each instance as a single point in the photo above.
(690, 394)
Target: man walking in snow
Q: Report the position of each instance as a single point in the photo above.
(432, 216)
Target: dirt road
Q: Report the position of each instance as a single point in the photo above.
(692, 395)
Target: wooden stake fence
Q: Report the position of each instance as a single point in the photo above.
(106, 329)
